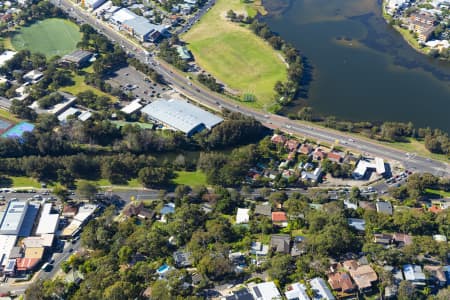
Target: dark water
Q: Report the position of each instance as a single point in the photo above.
(361, 68)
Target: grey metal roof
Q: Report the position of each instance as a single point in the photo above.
(181, 115)
(141, 26)
(13, 217)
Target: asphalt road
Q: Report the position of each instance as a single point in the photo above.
(202, 95)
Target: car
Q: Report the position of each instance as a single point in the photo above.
(70, 250)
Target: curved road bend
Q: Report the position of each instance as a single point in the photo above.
(215, 101)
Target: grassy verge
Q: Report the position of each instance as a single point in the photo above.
(133, 183)
(190, 178)
(415, 146)
(437, 193)
(235, 55)
(4, 114)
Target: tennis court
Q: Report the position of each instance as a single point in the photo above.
(4, 125)
(17, 130)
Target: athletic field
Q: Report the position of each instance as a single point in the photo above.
(50, 37)
(235, 55)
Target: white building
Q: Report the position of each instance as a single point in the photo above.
(265, 291)
(7, 242)
(132, 107)
(320, 289)
(296, 291)
(414, 274)
(5, 56)
(242, 216)
(48, 222)
(365, 165)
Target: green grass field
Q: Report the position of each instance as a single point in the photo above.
(20, 182)
(50, 37)
(81, 86)
(437, 193)
(235, 55)
(190, 178)
(6, 115)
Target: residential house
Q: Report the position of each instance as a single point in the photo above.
(263, 210)
(279, 218)
(364, 276)
(265, 291)
(384, 207)
(320, 289)
(291, 145)
(257, 248)
(367, 205)
(414, 274)
(296, 291)
(182, 259)
(336, 156)
(280, 243)
(139, 211)
(313, 176)
(436, 274)
(440, 238)
(341, 282)
(242, 216)
(319, 154)
(298, 246)
(382, 239)
(358, 224)
(305, 149)
(242, 294)
(33, 76)
(402, 239)
(278, 139)
(79, 58)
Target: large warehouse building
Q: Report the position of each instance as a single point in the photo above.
(181, 115)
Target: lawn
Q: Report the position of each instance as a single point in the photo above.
(81, 86)
(437, 193)
(235, 55)
(133, 183)
(19, 182)
(6, 115)
(50, 37)
(190, 178)
(414, 146)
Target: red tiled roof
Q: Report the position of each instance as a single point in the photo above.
(305, 149)
(279, 216)
(335, 156)
(291, 145)
(435, 209)
(25, 264)
(340, 281)
(278, 139)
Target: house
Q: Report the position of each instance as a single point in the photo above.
(313, 176)
(440, 238)
(291, 145)
(402, 239)
(242, 294)
(414, 274)
(336, 156)
(265, 291)
(138, 211)
(263, 210)
(6, 56)
(436, 275)
(242, 216)
(364, 276)
(305, 149)
(367, 205)
(358, 224)
(79, 58)
(257, 248)
(296, 291)
(69, 211)
(319, 154)
(182, 259)
(279, 218)
(381, 238)
(33, 76)
(384, 207)
(278, 139)
(298, 246)
(280, 243)
(341, 282)
(320, 289)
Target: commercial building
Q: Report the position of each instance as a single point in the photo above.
(83, 215)
(48, 222)
(79, 58)
(181, 115)
(134, 106)
(94, 4)
(13, 217)
(7, 243)
(364, 165)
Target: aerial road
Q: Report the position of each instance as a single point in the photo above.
(205, 97)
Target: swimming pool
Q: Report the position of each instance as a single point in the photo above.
(17, 130)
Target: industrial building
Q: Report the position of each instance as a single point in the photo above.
(181, 115)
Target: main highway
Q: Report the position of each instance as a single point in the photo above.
(202, 95)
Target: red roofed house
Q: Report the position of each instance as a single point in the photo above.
(278, 139)
(305, 149)
(279, 218)
(435, 209)
(319, 154)
(69, 211)
(402, 239)
(336, 157)
(291, 145)
(341, 281)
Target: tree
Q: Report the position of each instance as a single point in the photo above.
(280, 268)
(406, 290)
(87, 190)
(155, 177)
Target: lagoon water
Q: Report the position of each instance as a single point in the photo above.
(362, 69)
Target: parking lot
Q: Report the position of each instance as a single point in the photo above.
(130, 80)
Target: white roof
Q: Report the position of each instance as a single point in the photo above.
(181, 115)
(132, 107)
(296, 291)
(13, 217)
(84, 212)
(242, 215)
(84, 115)
(5, 56)
(320, 289)
(45, 240)
(358, 224)
(123, 15)
(72, 228)
(48, 221)
(364, 164)
(68, 112)
(413, 273)
(265, 291)
(7, 242)
(33, 75)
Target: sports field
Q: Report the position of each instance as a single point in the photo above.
(50, 37)
(235, 55)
